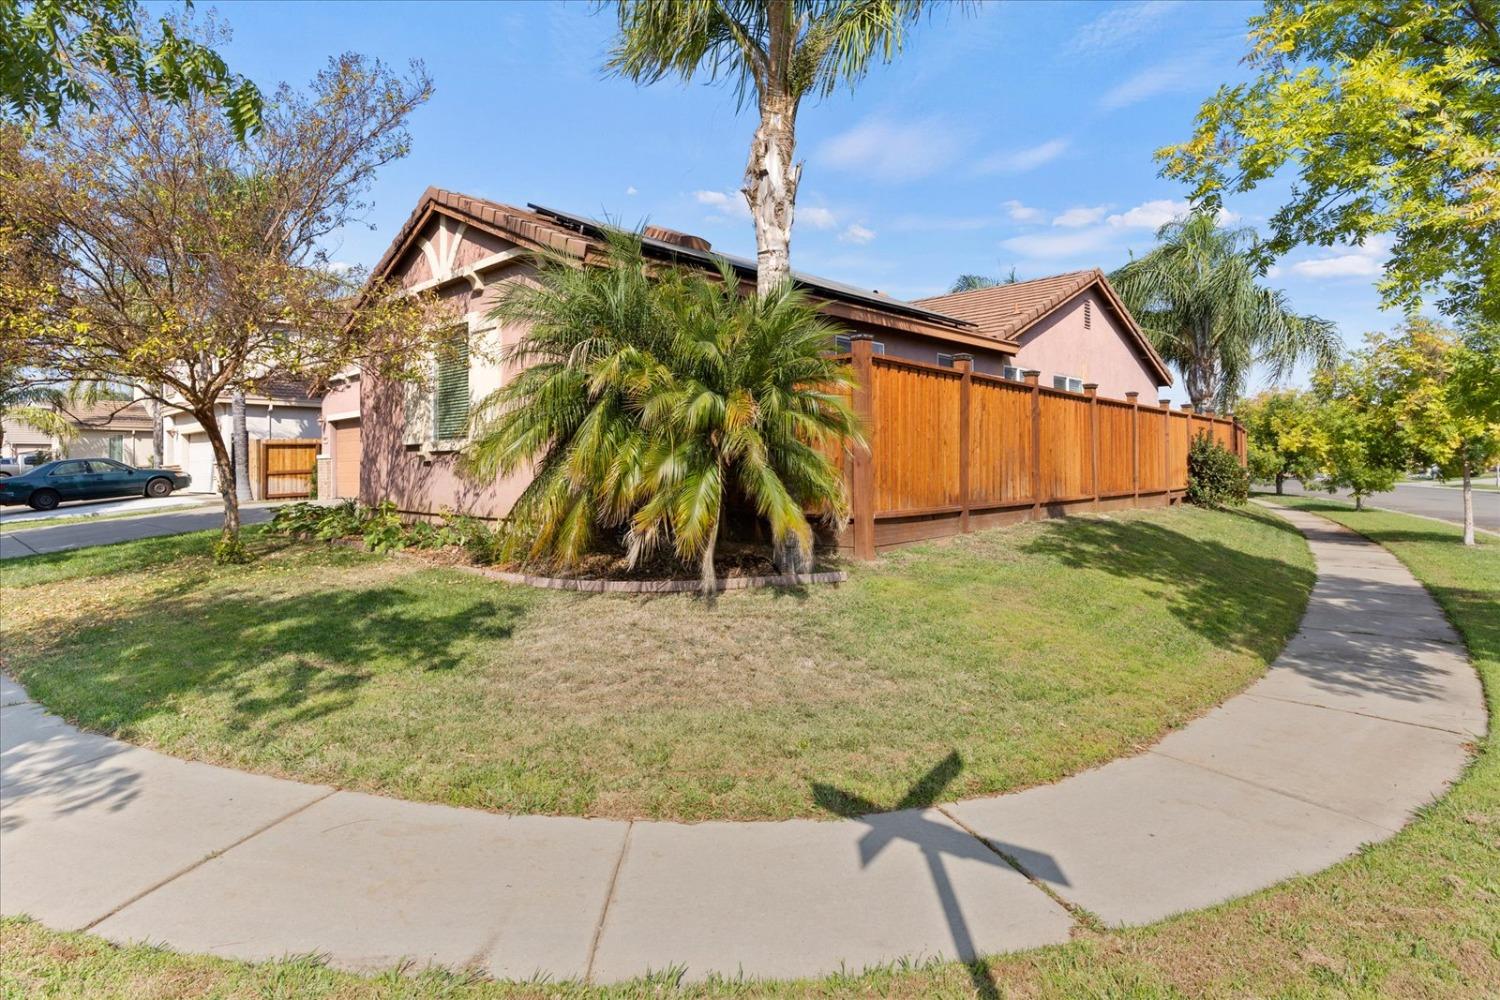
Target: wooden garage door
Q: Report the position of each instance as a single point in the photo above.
(346, 453)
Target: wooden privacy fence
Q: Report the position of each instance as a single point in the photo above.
(952, 450)
(283, 469)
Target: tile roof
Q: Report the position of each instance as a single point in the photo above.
(108, 414)
(577, 236)
(1008, 311)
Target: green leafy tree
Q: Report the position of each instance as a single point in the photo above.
(776, 52)
(1286, 439)
(1363, 453)
(664, 406)
(1198, 295)
(1439, 393)
(51, 47)
(1388, 114)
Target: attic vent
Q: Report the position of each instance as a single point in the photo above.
(1088, 315)
(672, 236)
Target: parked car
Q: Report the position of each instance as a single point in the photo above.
(21, 465)
(87, 479)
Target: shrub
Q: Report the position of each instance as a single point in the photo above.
(340, 521)
(231, 552)
(1215, 476)
(382, 529)
(297, 519)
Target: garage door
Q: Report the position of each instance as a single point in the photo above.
(346, 457)
(200, 463)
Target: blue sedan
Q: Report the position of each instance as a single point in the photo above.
(44, 487)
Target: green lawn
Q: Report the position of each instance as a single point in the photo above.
(1031, 652)
(1415, 916)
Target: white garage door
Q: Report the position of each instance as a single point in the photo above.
(200, 463)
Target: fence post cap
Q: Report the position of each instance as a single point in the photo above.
(1031, 376)
(1132, 396)
(1187, 407)
(861, 336)
(962, 356)
(1091, 388)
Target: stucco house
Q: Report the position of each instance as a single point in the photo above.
(402, 445)
(1072, 327)
(121, 430)
(281, 411)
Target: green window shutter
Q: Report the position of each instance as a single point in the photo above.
(453, 393)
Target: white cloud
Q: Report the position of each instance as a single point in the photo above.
(730, 206)
(1120, 27)
(1080, 215)
(1163, 78)
(1155, 214)
(816, 216)
(857, 234)
(1021, 160)
(1150, 214)
(894, 150)
(1365, 261)
(340, 266)
(1048, 246)
(631, 190)
(1021, 213)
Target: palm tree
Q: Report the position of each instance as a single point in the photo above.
(663, 405)
(777, 51)
(974, 282)
(31, 400)
(1198, 297)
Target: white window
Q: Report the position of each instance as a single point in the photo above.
(946, 360)
(437, 410)
(1011, 372)
(1067, 382)
(843, 345)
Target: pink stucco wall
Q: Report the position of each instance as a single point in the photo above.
(1103, 352)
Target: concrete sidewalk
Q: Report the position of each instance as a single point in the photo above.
(1363, 719)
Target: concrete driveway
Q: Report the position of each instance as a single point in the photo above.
(19, 540)
(1446, 503)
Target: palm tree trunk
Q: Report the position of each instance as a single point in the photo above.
(158, 432)
(1468, 504)
(241, 449)
(770, 190)
(708, 580)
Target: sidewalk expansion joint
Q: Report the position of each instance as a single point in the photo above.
(1082, 916)
(1364, 715)
(609, 896)
(206, 859)
(1322, 807)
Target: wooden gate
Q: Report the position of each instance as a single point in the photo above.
(286, 467)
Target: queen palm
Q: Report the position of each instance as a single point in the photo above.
(1198, 296)
(661, 406)
(776, 51)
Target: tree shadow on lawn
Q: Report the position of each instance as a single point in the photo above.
(119, 673)
(1235, 599)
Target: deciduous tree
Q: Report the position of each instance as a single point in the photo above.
(1386, 116)
(1286, 437)
(193, 265)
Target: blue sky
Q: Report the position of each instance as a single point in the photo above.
(1020, 135)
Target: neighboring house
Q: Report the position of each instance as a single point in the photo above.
(20, 440)
(1072, 328)
(284, 410)
(111, 428)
